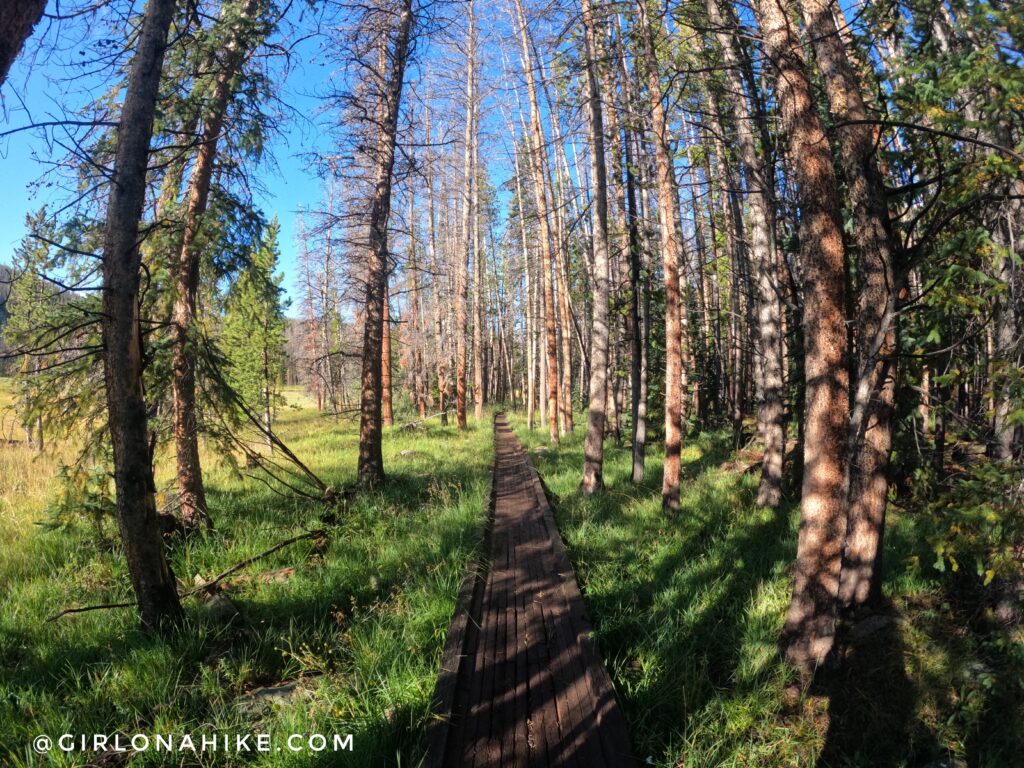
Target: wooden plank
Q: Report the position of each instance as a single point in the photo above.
(528, 687)
(456, 648)
(610, 725)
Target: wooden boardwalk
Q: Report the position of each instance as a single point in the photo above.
(521, 683)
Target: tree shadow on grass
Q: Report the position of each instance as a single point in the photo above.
(669, 594)
(871, 700)
(688, 608)
(380, 572)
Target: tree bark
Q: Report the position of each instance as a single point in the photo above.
(468, 182)
(479, 393)
(531, 367)
(192, 507)
(371, 461)
(871, 423)
(544, 235)
(420, 373)
(809, 630)
(123, 355)
(593, 446)
(440, 357)
(670, 250)
(386, 407)
(17, 20)
(768, 332)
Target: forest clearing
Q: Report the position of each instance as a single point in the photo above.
(448, 383)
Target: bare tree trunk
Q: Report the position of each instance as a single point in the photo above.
(420, 374)
(468, 183)
(531, 321)
(386, 407)
(639, 304)
(478, 286)
(152, 580)
(593, 446)
(440, 357)
(810, 621)
(537, 168)
(371, 460)
(192, 507)
(670, 266)
(768, 332)
(871, 423)
(17, 20)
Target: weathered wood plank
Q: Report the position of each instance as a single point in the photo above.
(522, 682)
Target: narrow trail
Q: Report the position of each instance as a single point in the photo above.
(521, 681)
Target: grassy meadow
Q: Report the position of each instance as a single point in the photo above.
(351, 625)
(343, 634)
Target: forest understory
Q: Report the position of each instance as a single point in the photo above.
(747, 278)
(342, 634)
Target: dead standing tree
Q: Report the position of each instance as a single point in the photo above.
(391, 30)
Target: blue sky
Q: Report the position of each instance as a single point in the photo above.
(35, 91)
(38, 89)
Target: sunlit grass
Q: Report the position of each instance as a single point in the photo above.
(687, 611)
(359, 623)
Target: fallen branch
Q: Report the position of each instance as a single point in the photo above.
(67, 611)
(206, 586)
(412, 424)
(320, 532)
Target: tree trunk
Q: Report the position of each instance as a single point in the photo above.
(670, 250)
(871, 423)
(386, 408)
(440, 358)
(468, 183)
(593, 446)
(810, 621)
(17, 20)
(531, 321)
(768, 333)
(544, 235)
(371, 461)
(420, 374)
(478, 287)
(192, 507)
(640, 299)
(123, 358)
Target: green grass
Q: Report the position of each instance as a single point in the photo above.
(360, 623)
(687, 611)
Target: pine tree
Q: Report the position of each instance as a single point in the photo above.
(254, 329)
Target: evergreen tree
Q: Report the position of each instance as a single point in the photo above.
(254, 329)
